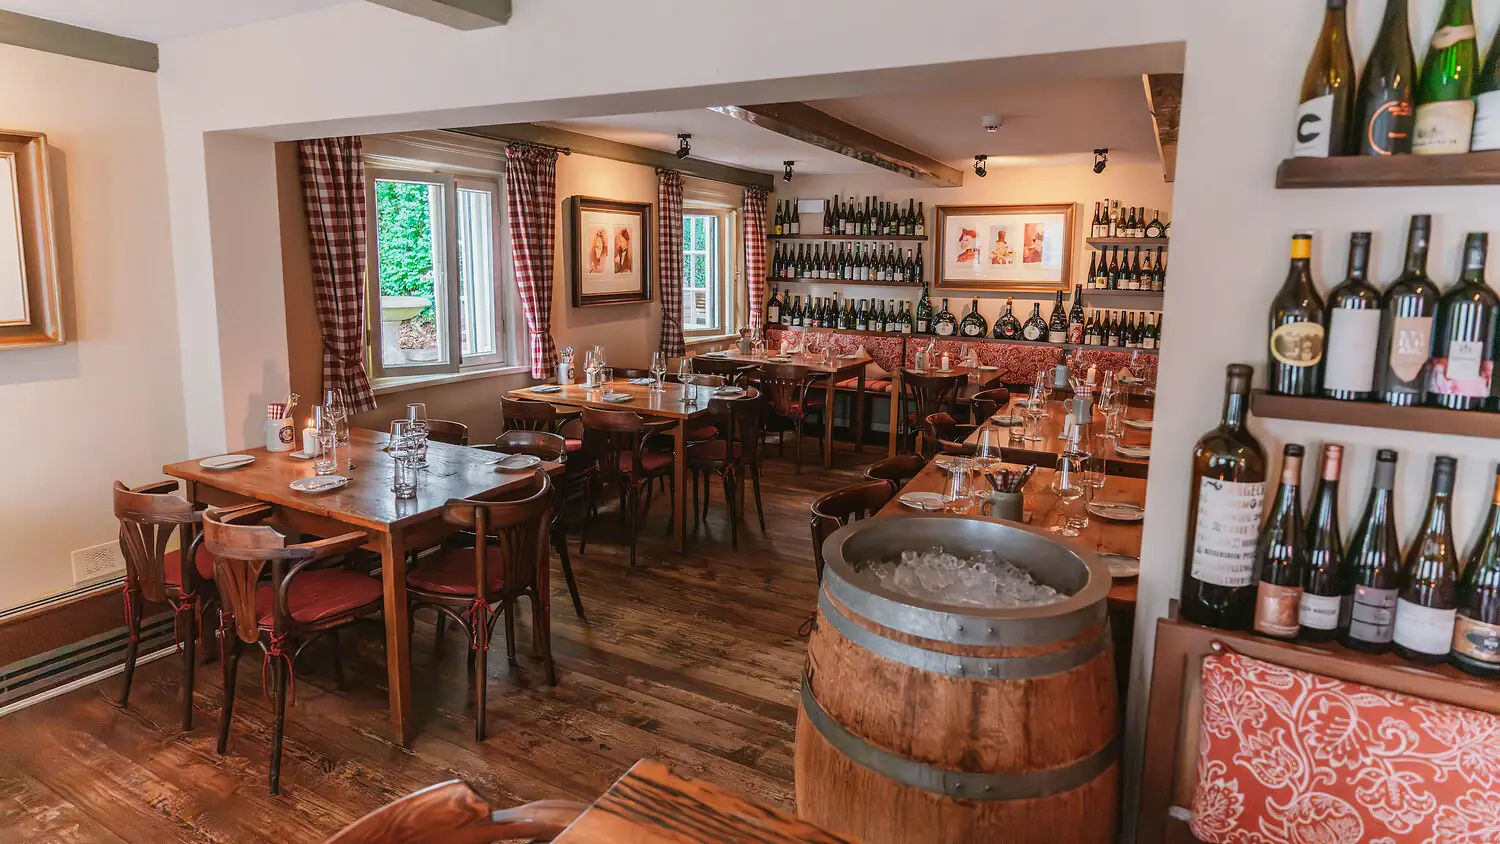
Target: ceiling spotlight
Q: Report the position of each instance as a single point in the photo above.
(1101, 160)
(990, 123)
(684, 149)
(787, 176)
(979, 169)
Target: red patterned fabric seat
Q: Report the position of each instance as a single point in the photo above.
(172, 565)
(320, 594)
(702, 432)
(452, 573)
(573, 445)
(879, 385)
(651, 462)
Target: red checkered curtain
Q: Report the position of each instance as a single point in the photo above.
(755, 253)
(333, 192)
(669, 259)
(531, 192)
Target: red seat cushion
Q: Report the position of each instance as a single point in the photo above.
(172, 563)
(875, 386)
(713, 450)
(452, 573)
(319, 594)
(573, 445)
(705, 432)
(798, 407)
(651, 462)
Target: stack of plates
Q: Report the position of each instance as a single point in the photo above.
(1138, 424)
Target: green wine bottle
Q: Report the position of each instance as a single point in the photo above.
(1445, 112)
(1383, 114)
(1327, 88)
(1487, 101)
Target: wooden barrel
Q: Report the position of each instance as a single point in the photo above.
(934, 722)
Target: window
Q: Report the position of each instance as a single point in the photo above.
(435, 277)
(707, 272)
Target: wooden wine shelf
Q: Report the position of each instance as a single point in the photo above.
(1130, 300)
(1099, 242)
(1389, 171)
(918, 337)
(907, 238)
(1429, 420)
(844, 282)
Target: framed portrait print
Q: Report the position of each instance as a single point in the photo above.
(1004, 248)
(611, 250)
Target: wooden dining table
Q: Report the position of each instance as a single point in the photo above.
(1054, 425)
(667, 404)
(394, 525)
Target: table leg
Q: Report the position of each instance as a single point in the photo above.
(828, 424)
(896, 388)
(859, 411)
(679, 490)
(397, 635)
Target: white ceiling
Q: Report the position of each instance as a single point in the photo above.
(163, 20)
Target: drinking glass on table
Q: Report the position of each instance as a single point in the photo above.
(1106, 401)
(335, 405)
(1073, 492)
(1036, 410)
(658, 371)
(327, 428)
(987, 446)
(606, 379)
(686, 377)
(957, 491)
(416, 422)
(403, 450)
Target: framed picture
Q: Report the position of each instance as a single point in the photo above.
(1004, 248)
(611, 249)
(30, 296)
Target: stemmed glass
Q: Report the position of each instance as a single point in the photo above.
(1036, 410)
(987, 447)
(416, 425)
(658, 371)
(686, 377)
(1106, 404)
(338, 410)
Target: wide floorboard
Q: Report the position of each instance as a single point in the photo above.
(692, 659)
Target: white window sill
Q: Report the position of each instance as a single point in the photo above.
(384, 386)
(703, 341)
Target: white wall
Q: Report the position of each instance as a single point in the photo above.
(107, 405)
(1244, 63)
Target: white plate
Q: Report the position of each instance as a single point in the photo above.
(1138, 424)
(320, 483)
(1005, 420)
(779, 359)
(227, 461)
(1117, 511)
(923, 500)
(1121, 566)
(1131, 380)
(547, 388)
(518, 462)
(1139, 452)
(729, 391)
(618, 397)
(301, 455)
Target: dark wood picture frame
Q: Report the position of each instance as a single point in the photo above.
(942, 281)
(642, 259)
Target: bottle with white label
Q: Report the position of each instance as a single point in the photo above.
(1227, 497)
(1476, 635)
(1407, 309)
(1487, 101)
(1322, 585)
(1427, 606)
(1463, 336)
(1352, 323)
(1281, 555)
(1445, 110)
(1327, 101)
(1371, 572)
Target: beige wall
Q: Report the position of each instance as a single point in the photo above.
(108, 404)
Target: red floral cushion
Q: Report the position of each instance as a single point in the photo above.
(452, 573)
(1288, 756)
(172, 565)
(1117, 359)
(319, 594)
(573, 445)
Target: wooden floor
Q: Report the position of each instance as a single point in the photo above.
(691, 659)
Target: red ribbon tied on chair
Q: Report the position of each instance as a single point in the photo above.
(477, 616)
(277, 650)
(135, 634)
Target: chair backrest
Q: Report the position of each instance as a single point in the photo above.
(897, 470)
(525, 415)
(609, 434)
(785, 386)
(148, 516)
(740, 419)
(987, 403)
(633, 373)
(516, 524)
(242, 545)
(444, 431)
(701, 379)
(539, 443)
(732, 371)
(932, 393)
(840, 507)
(451, 812)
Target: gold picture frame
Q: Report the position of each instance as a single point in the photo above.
(1004, 248)
(30, 290)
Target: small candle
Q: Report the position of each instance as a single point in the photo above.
(1092, 373)
(945, 362)
(310, 440)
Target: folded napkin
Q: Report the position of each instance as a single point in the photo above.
(546, 388)
(618, 397)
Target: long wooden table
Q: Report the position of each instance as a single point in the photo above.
(1054, 423)
(394, 526)
(839, 369)
(667, 404)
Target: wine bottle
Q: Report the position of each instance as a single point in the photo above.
(1327, 88)
(1428, 603)
(1057, 322)
(924, 312)
(794, 224)
(1352, 325)
(1371, 572)
(1445, 112)
(828, 215)
(1228, 493)
(779, 225)
(1156, 228)
(1093, 270)
(1487, 101)
(1075, 317)
(1295, 365)
(1007, 327)
(1476, 630)
(1035, 328)
(773, 307)
(1280, 554)
(1463, 336)
(1159, 281)
(1384, 116)
(944, 325)
(1407, 309)
(1101, 275)
(1322, 584)
(974, 324)
(921, 226)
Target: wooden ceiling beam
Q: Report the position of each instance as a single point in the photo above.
(1164, 101)
(802, 122)
(67, 40)
(459, 14)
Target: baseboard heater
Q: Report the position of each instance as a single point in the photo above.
(38, 677)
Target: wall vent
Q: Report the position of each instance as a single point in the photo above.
(98, 563)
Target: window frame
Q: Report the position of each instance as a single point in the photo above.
(727, 270)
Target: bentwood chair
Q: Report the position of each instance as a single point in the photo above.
(552, 447)
(941, 427)
(301, 603)
(526, 415)
(444, 431)
(987, 403)
(451, 812)
(928, 394)
(896, 471)
(840, 507)
(730, 456)
(149, 515)
(731, 371)
(476, 586)
(618, 447)
(791, 400)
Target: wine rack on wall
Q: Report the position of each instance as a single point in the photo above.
(1390, 171)
(1427, 420)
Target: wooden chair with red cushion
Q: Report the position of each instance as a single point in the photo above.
(527, 415)
(551, 447)
(476, 586)
(896, 471)
(840, 507)
(791, 400)
(987, 403)
(302, 603)
(452, 813)
(731, 456)
(149, 515)
(618, 447)
(926, 394)
(732, 371)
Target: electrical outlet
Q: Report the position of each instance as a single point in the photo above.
(98, 562)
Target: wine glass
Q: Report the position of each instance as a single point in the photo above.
(686, 377)
(987, 446)
(338, 409)
(416, 423)
(1036, 410)
(1106, 403)
(658, 371)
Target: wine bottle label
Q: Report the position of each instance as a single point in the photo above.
(1462, 373)
(1277, 609)
(1057, 336)
(1353, 335)
(1476, 640)
(1372, 614)
(1449, 35)
(1298, 343)
(1424, 629)
(1389, 129)
(971, 330)
(1486, 122)
(1444, 127)
(1031, 332)
(1411, 344)
(1314, 128)
(1225, 534)
(1319, 612)
(773, 314)
(921, 325)
(1075, 333)
(1148, 343)
(945, 328)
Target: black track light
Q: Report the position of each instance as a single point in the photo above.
(1101, 160)
(787, 176)
(979, 168)
(684, 149)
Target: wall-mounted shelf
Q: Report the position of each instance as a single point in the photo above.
(1388, 171)
(911, 238)
(844, 282)
(1130, 300)
(955, 337)
(1100, 242)
(1428, 420)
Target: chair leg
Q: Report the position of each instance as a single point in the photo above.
(588, 511)
(441, 626)
(708, 489)
(278, 727)
(695, 497)
(797, 447)
(229, 661)
(560, 542)
(510, 633)
(189, 661)
(671, 479)
(338, 659)
(133, 647)
(729, 498)
(541, 626)
(755, 482)
(480, 658)
(630, 523)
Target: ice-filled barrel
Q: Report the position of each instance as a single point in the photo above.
(960, 696)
